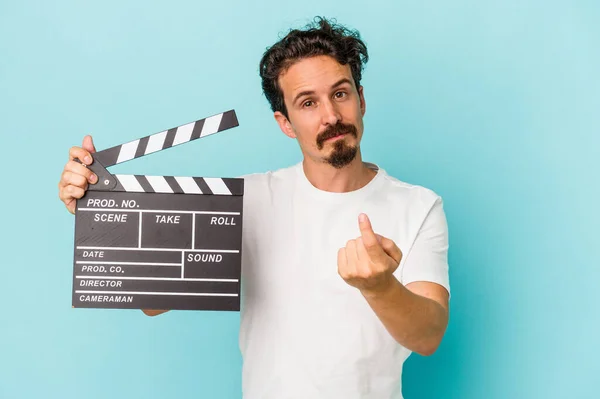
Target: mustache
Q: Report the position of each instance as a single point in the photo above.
(335, 130)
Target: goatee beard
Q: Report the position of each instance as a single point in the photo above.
(342, 154)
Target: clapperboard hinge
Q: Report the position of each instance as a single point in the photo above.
(159, 142)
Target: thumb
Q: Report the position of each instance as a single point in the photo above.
(88, 144)
(369, 237)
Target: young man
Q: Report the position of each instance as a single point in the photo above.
(344, 267)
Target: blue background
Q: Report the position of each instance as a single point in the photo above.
(494, 105)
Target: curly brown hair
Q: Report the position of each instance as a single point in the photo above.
(321, 37)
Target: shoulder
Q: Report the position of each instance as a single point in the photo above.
(419, 209)
(413, 195)
(264, 182)
(276, 173)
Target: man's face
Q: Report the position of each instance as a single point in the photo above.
(325, 110)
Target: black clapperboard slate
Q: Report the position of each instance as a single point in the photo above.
(159, 242)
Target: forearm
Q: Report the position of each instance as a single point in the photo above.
(416, 322)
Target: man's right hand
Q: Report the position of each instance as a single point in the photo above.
(75, 177)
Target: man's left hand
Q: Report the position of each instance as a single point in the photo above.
(368, 262)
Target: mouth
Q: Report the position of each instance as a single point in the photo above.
(339, 136)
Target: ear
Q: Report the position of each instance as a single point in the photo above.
(284, 125)
(363, 104)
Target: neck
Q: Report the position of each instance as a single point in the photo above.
(327, 178)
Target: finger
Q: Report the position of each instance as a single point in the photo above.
(81, 154)
(71, 206)
(73, 179)
(351, 253)
(391, 249)
(88, 144)
(342, 263)
(366, 231)
(79, 169)
(69, 196)
(364, 264)
(74, 191)
(361, 250)
(369, 238)
(69, 193)
(350, 259)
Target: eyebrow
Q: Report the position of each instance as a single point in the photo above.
(309, 92)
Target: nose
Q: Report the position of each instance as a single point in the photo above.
(330, 114)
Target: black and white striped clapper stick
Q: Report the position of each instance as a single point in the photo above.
(159, 242)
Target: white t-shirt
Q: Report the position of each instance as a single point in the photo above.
(305, 333)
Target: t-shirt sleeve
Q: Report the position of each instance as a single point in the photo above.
(427, 259)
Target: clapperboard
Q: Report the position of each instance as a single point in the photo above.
(159, 242)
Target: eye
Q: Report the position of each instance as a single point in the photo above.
(340, 94)
(307, 104)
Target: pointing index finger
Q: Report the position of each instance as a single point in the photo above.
(366, 231)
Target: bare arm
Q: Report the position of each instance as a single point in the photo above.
(415, 315)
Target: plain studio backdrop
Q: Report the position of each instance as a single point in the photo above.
(493, 105)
